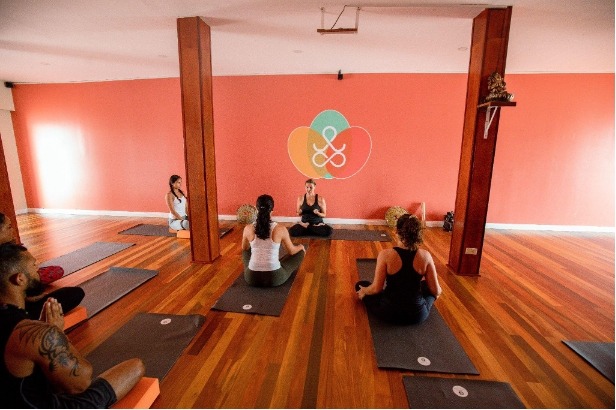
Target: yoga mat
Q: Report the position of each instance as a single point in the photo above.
(79, 259)
(599, 355)
(439, 393)
(353, 235)
(104, 289)
(267, 301)
(429, 346)
(156, 338)
(242, 298)
(360, 235)
(162, 230)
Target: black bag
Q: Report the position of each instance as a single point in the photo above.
(448, 221)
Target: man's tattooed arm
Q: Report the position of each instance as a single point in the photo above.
(57, 358)
(53, 345)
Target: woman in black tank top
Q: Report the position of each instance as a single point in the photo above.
(405, 282)
(312, 209)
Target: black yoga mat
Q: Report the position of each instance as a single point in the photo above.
(429, 346)
(267, 301)
(162, 230)
(599, 355)
(439, 393)
(242, 298)
(156, 338)
(79, 259)
(104, 289)
(353, 235)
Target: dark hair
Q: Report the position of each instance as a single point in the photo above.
(172, 180)
(2, 218)
(310, 181)
(11, 256)
(410, 231)
(265, 205)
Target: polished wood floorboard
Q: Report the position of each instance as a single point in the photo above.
(536, 289)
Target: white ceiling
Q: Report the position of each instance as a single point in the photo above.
(45, 41)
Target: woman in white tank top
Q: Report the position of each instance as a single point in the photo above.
(177, 204)
(261, 248)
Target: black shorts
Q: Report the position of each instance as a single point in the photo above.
(99, 395)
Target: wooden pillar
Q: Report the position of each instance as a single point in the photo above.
(488, 55)
(7, 207)
(194, 45)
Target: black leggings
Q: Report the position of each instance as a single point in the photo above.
(68, 297)
(311, 230)
(384, 309)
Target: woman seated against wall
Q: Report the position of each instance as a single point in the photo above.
(177, 202)
(312, 209)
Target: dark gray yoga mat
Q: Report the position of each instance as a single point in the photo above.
(267, 301)
(599, 355)
(439, 393)
(353, 235)
(104, 289)
(162, 230)
(242, 298)
(429, 346)
(156, 338)
(79, 259)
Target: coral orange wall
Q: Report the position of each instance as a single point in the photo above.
(118, 142)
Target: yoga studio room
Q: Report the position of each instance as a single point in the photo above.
(307, 204)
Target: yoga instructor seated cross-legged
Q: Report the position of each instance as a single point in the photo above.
(312, 209)
(405, 282)
(39, 367)
(70, 296)
(261, 248)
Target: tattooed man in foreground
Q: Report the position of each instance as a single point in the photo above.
(39, 367)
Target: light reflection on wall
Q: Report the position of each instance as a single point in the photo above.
(59, 154)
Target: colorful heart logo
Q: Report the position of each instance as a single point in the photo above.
(330, 147)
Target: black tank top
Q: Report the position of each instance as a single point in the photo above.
(403, 287)
(16, 392)
(308, 214)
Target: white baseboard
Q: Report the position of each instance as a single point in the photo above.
(333, 221)
(99, 213)
(558, 228)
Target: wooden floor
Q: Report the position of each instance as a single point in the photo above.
(535, 290)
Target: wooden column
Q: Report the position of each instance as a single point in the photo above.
(7, 207)
(488, 55)
(198, 115)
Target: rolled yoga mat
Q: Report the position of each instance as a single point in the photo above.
(267, 301)
(599, 355)
(162, 230)
(106, 288)
(79, 259)
(156, 338)
(353, 235)
(439, 393)
(429, 346)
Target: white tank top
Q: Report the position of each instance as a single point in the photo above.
(264, 253)
(179, 206)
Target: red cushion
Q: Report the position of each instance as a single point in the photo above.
(50, 274)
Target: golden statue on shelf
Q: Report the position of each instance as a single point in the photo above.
(497, 89)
